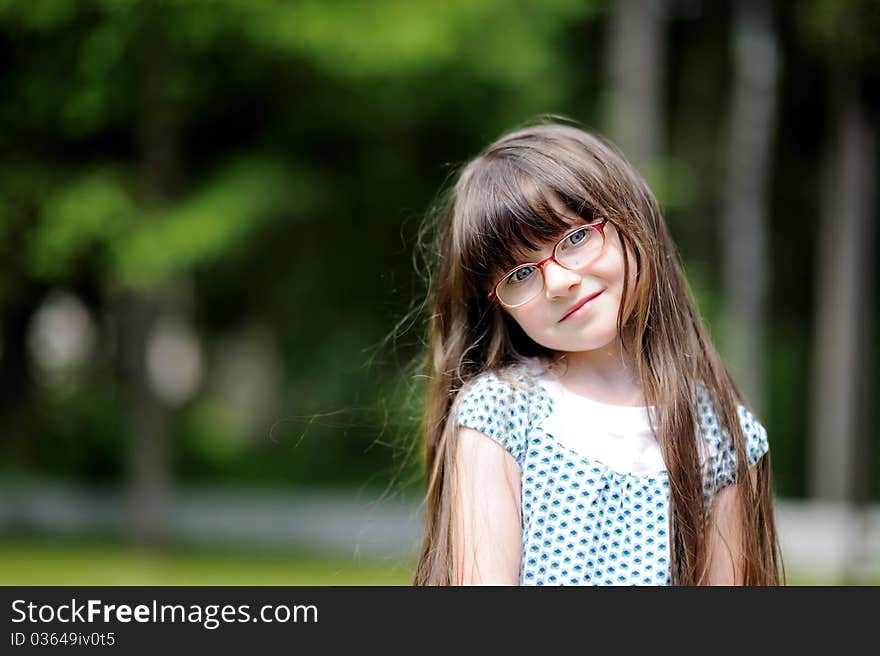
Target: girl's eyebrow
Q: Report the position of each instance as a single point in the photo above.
(527, 256)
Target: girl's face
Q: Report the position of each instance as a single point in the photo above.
(558, 318)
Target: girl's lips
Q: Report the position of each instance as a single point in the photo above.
(580, 307)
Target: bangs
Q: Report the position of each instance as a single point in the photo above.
(515, 213)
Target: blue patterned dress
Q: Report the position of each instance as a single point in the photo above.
(583, 521)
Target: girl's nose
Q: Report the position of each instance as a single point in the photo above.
(558, 281)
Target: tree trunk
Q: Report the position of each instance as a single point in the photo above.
(841, 390)
(159, 148)
(148, 454)
(635, 69)
(744, 224)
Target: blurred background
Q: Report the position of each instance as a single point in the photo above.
(209, 259)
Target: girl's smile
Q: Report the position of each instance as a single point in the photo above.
(580, 308)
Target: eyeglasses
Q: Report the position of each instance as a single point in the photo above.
(577, 248)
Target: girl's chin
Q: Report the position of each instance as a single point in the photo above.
(588, 343)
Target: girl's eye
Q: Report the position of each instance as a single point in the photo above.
(576, 238)
(520, 275)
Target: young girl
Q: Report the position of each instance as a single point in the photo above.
(581, 429)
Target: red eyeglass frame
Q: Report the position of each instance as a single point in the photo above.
(599, 226)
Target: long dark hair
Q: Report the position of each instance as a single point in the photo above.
(502, 197)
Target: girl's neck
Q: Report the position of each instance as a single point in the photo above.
(606, 375)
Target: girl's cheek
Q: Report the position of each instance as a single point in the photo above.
(525, 319)
(530, 322)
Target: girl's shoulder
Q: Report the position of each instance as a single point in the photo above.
(504, 404)
(515, 387)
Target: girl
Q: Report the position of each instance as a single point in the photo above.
(580, 426)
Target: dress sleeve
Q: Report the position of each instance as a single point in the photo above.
(498, 409)
(720, 465)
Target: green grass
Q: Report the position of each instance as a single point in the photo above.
(40, 562)
(803, 578)
(25, 562)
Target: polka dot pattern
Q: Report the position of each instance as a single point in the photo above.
(721, 463)
(584, 523)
